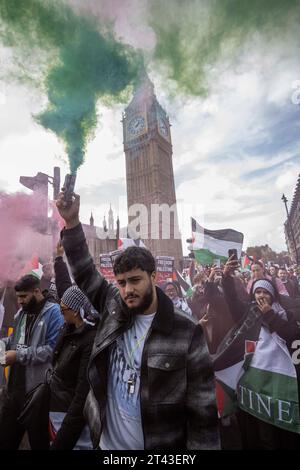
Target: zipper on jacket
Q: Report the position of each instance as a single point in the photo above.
(102, 411)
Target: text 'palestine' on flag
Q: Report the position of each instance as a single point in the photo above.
(209, 245)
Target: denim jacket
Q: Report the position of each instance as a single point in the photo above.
(36, 356)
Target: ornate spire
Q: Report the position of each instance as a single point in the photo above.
(92, 220)
(110, 220)
(118, 228)
(144, 91)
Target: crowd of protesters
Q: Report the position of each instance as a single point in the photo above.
(221, 300)
(134, 365)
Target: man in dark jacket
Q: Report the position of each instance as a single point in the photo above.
(291, 286)
(68, 385)
(151, 379)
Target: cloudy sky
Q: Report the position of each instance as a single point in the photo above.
(236, 145)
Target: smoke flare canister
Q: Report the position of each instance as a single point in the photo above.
(68, 188)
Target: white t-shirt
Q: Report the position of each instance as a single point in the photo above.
(123, 427)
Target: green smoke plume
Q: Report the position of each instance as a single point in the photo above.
(193, 36)
(80, 63)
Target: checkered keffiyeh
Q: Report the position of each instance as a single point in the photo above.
(264, 284)
(76, 300)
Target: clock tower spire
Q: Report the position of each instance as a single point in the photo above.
(149, 172)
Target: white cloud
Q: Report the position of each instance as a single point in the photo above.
(2, 97)
(286, 181)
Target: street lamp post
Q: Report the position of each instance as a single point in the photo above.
(39, 185)
(284, 199)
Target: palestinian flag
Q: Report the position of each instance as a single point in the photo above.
(229, 359)
(209, 245)
(269, 390)
(246, 262)
(124, 243)
(33, 267)
(186, 289)
(255, 372)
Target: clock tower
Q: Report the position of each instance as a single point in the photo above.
(151, 194)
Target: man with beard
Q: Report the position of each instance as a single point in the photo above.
(290, 285)
(28, 353)
(152, 384)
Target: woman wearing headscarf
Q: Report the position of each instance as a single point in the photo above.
(171, 289)
(273, 318)
(68, 384)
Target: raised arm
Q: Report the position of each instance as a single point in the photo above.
(62, 276)
(288, 329)
(80, 261)
(236, 306)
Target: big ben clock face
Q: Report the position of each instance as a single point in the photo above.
(163, 127)
(136, 126)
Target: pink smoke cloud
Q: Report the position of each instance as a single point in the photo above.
(127, 16)
(22, 221)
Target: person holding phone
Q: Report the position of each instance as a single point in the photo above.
(211, 309)
(217, 263)
(233, 254)
(264, 299)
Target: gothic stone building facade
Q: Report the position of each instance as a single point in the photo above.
(292, 227)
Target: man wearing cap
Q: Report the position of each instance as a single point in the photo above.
(151, 378)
